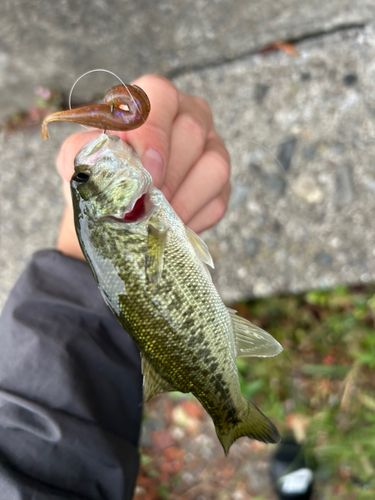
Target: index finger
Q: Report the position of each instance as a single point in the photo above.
(152, 140)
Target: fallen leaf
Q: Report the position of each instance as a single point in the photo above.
(193, 409)
(181, 418)
(286, 47)
(162, 439)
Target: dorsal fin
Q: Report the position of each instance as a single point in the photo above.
(153, 383)
(250, 340)
(200, 247)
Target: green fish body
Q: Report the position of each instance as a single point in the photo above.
(152, 272)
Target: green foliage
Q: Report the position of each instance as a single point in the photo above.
(164, 491)
(323, 380)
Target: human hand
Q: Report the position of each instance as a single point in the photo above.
(180, 148)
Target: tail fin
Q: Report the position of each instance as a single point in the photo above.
(254, 424)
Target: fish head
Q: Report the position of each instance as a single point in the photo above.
(109, 181)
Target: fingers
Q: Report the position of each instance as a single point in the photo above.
(212, 213)
(152, 139)
(191, 129)
(206, 180)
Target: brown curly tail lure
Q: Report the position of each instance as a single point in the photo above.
(126, 107)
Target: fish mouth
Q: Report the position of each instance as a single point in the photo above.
(136, 212)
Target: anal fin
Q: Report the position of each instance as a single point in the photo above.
(250, 340)
(153, 383)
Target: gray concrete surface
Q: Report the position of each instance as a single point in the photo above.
(314, 112)
(52, 43)
(31, 201)
(313, 227)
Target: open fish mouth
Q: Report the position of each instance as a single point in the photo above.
(137, 212)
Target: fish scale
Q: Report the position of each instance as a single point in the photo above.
(147, 322)
(152, 273)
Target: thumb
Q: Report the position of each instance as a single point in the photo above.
(69, 149)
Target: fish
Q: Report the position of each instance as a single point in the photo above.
(151, 270)
(125, 108)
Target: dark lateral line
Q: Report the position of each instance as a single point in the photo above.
(225, 60)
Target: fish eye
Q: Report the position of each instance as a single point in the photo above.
(81, 177)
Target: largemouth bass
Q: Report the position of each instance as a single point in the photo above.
(152, 272)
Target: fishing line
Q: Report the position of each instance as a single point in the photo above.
(294, 196)
(97, 71)
(276, 160)
(298, 221)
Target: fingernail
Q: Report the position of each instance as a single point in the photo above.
(154, 163)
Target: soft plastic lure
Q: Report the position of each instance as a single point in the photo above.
(126, 107)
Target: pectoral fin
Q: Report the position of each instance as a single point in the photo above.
(200, 247)
(155, 253)
(153, 383)
(250, 340)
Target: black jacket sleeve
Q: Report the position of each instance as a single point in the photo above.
(70, 389)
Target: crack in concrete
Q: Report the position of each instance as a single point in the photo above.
(322, 33)
(175, 73)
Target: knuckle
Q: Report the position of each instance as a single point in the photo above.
(162, 85)
(221, 164)
(169, 90)
(165, 86)
(218, 210)
(182, 211)
(194, 128)
(160, 80)
(159, 134)
(203, 104)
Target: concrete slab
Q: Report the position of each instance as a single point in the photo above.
(314, 112)
(52, 43)
(312, 227)
(31, 200)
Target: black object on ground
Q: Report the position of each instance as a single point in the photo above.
(291, 477)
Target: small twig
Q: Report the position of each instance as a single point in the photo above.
(349, 383)
(366, 464)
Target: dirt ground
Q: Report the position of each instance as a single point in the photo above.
(183, 459)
